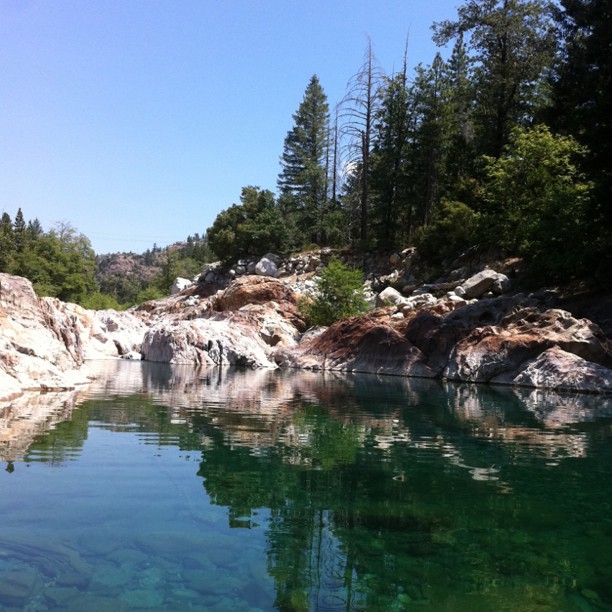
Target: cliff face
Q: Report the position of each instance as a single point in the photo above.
(254, 322)
(44, 343)
(34, 352)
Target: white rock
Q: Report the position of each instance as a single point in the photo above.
(483, 282)
(266, 267)
(180, 284)
(391, 296)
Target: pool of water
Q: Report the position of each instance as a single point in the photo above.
(166, 488)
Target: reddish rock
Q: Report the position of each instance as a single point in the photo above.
(362, 344)
(254, 290)
(497, 353)
(250, 290)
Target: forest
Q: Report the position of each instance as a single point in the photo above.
(501, 142)
(502, 145)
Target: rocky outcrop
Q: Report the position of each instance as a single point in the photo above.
(37, 351)
(359, 344)
(220, 340)
(262, 291)
(505, 340)
(89, 334)
(45, 343)
(245, 324)
(428, 331)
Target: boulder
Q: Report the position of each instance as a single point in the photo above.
(557, 369)
(180, 284)
(390, 296)
(266, 266)
(220, 340)
(483, 282)
(255, 290)
(360, 344)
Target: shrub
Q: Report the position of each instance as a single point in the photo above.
(339, 294)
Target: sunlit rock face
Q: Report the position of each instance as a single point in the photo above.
(255, 322)
(262, 291)
(37, 349)
(89, 334)
(216, 341)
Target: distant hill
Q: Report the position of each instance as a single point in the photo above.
(125, 276)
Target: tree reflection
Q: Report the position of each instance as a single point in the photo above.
(384, 494)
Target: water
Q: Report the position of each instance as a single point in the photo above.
(173, 489)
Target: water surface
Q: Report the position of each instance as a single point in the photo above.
(175, 489)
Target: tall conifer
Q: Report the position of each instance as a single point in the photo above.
(303, 178)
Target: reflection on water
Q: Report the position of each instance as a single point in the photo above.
(185, 489)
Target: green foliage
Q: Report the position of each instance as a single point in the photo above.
(583, 108)
(511, 44)
(150, 293)
(304, 174)
(535, 200)
(339, 295)
(451, 231)
(253, 227)
(60, 263)
(101, 301)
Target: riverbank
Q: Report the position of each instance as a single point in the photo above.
(469, 327)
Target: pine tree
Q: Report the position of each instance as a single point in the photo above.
(583, 108)
(512, 46)
(19, 231)
(7, 242)
(390, 179)
(303, 178)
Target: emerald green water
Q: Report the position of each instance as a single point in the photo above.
(172, 489)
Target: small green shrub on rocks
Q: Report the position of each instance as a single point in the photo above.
(339, 294)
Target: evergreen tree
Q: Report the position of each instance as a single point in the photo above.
(433, 135)
(303, 178)
(512, 46)
(390, 163)
(34, 229)
(583, 108)
(460, 153)
(7, 242)
(19, 231)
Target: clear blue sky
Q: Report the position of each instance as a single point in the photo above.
(138, 121)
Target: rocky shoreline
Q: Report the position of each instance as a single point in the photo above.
(469, 328)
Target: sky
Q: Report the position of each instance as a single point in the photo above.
(138, 121)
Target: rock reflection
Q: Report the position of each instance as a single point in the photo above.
(29, 416)
(372, 493)
(256, 409)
